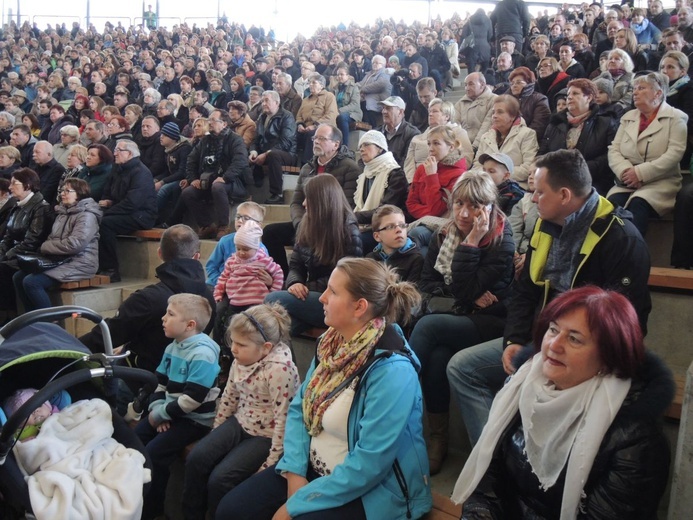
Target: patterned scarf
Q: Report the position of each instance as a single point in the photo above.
(337, 360)
(447, 251)
(674, 89)
(576, 123)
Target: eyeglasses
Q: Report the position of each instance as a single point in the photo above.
(518, 83)
(120, 150)
(112, 124)
(65, 190)
(215, 120)
(392, 227)
(245, 218)
(321, 139)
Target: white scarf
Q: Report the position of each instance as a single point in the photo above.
(560, 426)
(379, 170)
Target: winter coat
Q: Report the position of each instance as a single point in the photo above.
(375, 87)
(552, 85)
(436, 57)
(395, 193)
(131, 188)
(615, 257)
(474, 116)
(481, 27)
(231, 165)
(398, 143)
(475, 270)
(342, 167)
(96, 177)
(430, 194)
(655, 153)
(534, 108)
(153, 155)
(628, 475)
(348, 99)
(5, 211)
(318, 108)
(305, 268)
(683, 100)
(275, 133)
(522, 220)
(290, 102)
(176, 162)
(520, 145)
(245, 128)
(50, 174)
(386, 466)
(598, 132)
(511, 17)
(137, 324)
(53, 135)
(27, 227)
(407, 261)
(75, 234)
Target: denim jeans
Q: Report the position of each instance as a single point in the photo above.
(343, 121)
(163, 448)
(166, 199)
(421, 236)
(218, 463)
(259, 497)
(435, 339)
(304, 313)
(32, 289)
(475, 375)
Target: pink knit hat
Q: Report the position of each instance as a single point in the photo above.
(249, 235)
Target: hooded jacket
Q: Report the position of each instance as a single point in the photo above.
(407, 260)
(387, 465)
(75, 234)
(137, 324)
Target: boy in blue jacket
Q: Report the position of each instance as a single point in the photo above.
(182, 409)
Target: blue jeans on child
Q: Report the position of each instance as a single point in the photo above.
(218, 463)
(163, 448)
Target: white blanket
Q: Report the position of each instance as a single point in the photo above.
(76, 470)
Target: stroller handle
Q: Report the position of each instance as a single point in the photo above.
(59, 313)
(17, 419)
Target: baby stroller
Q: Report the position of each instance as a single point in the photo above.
(36, 353)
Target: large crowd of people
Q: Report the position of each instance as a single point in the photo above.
(479, 219)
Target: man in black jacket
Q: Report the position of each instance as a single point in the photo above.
(581, 239)
(128, 203)
(215, 173)
(137, 324)
(274, 145)
(438, 61)
(49, 171)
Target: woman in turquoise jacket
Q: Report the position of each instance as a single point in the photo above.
(354, 446)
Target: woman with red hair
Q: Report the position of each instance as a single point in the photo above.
(575, 432)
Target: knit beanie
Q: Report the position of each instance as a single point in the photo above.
(374, 137)
(606, 86)
(249, 235)
(171, 131)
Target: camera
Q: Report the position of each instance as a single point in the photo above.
(209, 160)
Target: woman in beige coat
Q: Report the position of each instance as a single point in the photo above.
(319, 107)
(646, 152)
(509, 135)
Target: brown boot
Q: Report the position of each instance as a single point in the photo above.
(223, 231)
(438, 440)
(208, 232)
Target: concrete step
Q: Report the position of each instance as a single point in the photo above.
(277, 213)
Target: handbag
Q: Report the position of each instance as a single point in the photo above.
(33, 264)
(206, 180)
(468, 42)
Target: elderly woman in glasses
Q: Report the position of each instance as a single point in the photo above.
(646, 152)
(75, 236)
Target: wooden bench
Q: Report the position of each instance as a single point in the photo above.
(82, 284)
(668, 278)
(148, 234)
(443, 509)
(674, 411)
